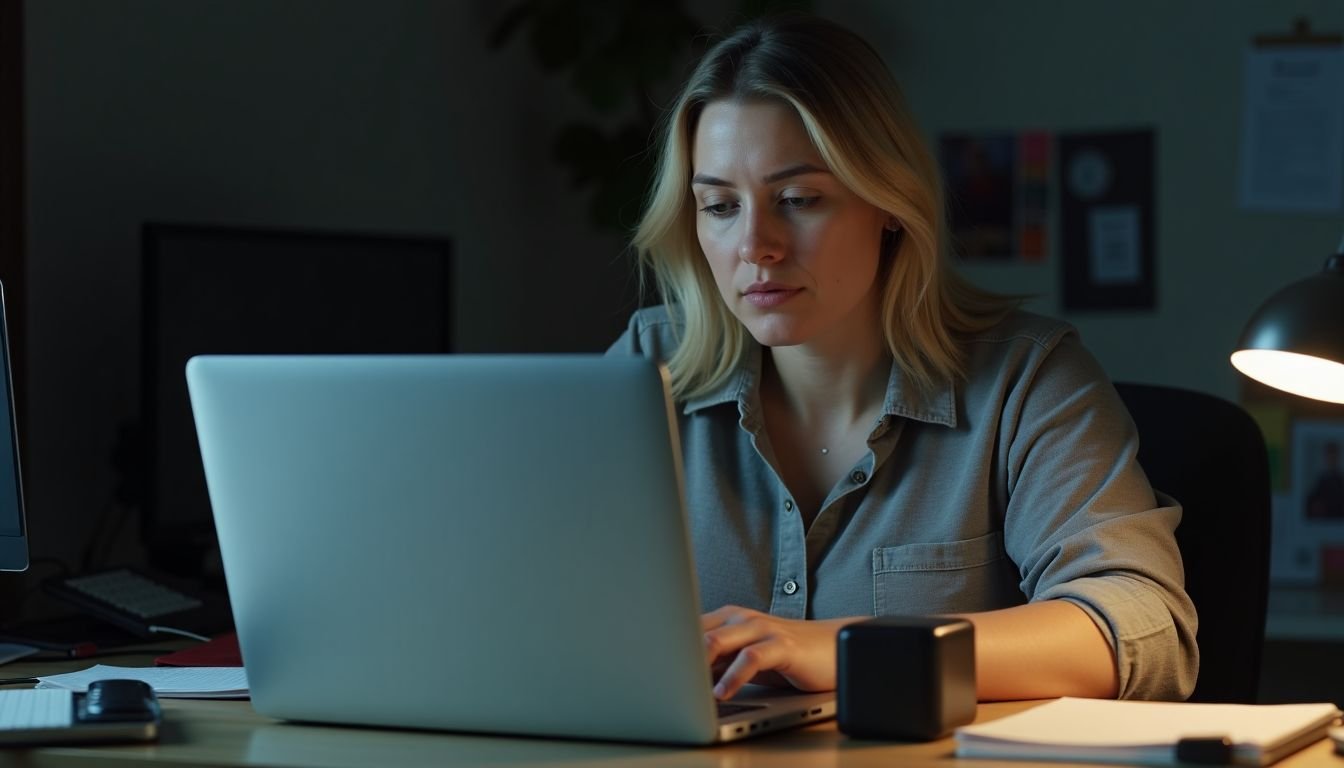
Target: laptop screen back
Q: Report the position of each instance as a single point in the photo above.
(473, 543)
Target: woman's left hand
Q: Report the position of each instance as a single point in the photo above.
(747, 645)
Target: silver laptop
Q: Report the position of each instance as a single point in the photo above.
(469, 543)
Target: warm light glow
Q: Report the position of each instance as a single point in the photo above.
(1303, 375)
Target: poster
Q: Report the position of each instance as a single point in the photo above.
(1313, 524)
(997, 192)
(1292, 129)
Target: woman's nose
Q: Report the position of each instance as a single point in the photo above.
(762, 241)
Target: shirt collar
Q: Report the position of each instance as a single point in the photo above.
(736, 386)
(937, 405)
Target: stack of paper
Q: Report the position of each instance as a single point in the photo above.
(167, 682)
(1146, 732)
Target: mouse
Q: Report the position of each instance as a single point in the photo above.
(109, 700)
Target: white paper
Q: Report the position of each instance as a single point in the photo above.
(167, 682)
(1113, 244)
(1292, 132)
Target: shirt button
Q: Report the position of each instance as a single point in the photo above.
(790, 587)
(858, 476)
(788, 505)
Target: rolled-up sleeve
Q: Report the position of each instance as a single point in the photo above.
(1083, 523)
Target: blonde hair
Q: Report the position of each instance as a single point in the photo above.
(854, 114)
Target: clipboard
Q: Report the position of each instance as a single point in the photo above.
(1291, 150)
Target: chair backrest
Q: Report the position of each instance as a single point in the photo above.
(1209, 454)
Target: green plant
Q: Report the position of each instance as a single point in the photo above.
(616, 54)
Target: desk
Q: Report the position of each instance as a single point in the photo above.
(218, 733)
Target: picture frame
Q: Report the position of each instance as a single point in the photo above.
(1108, 220)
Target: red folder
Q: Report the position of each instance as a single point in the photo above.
(221, 651)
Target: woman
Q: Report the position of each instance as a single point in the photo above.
(865, 433)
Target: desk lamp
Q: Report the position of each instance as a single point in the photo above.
(1295, 340)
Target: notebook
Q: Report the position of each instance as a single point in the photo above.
(472, 543)
(1149, 732)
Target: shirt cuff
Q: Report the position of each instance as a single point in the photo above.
(1151, 661)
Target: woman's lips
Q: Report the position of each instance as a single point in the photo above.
(767, 297)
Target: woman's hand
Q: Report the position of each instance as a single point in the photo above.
(745, 646)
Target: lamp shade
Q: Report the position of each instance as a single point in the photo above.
(1295, 340)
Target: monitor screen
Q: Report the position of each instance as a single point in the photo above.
(230, 290)
(13, 532)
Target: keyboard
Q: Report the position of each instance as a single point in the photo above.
(32, 709)
(143, 605)
(132, 593)
(111, 711)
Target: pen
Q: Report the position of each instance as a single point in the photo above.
(1204, 750)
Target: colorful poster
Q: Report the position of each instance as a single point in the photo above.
(997, 192)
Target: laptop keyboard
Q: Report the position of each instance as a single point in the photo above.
(28, 709)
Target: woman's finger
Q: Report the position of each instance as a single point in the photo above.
(724, 615)
(726, 639)
(750, 661)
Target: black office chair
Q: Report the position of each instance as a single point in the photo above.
(1210, 455)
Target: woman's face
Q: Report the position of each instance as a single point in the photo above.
(794, 252)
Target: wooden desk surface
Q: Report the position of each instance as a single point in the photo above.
(215, 733)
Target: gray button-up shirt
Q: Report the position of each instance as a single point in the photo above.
(1017, 484)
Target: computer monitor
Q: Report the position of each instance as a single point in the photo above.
(238, 290)
(13, 527)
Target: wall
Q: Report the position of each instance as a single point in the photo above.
(1092, 64)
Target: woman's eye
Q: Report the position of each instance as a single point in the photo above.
(797, 202)
(717, 209)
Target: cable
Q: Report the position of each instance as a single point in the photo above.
(182, 632)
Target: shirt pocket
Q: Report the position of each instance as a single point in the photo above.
(939, 577)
